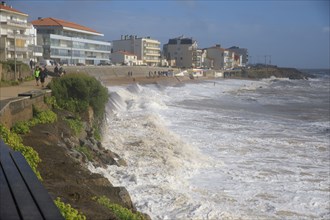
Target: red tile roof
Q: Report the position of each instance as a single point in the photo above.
(62, 23)
(7, 8)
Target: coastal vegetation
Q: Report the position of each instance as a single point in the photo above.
(76, 92)
(12, 137)
(9, 66)
(15, 141)
(120, 212)
(40, 117)
(68, 212)
(75, 124)
(8, 76)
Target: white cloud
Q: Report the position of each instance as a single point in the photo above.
(326, 29)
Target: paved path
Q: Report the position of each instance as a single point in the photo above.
(13, 91)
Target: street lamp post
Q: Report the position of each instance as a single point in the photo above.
(15, 51)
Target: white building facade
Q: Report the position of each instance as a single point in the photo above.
(14, 31)
(65, 42)
(124, 58)
(147, 50)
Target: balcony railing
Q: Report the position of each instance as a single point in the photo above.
(151, 48)
(18, 36)
(17, 23)
(18, 49)
(35, 48)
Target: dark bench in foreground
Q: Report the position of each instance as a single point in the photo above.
(22, 196)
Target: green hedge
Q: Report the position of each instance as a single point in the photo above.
(40, 117)
(75, 92)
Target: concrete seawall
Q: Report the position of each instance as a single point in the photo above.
(105, 72)
(109, 72)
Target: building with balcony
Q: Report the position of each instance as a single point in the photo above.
(242, 53)
(182, 52)
(69, 43)
(15, 34)
(146, 49)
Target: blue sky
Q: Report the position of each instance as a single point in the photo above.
(293, 33)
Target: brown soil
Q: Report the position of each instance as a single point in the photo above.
(68, 178)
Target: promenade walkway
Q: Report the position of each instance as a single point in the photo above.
(8, 92)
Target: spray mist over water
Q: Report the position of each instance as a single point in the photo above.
(230, 150)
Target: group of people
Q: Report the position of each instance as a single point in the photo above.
(59, 71)
(40, 73)
(160, 73)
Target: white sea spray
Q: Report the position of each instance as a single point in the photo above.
(225, 150)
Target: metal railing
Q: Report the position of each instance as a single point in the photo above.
(17, 23)
(18, 36)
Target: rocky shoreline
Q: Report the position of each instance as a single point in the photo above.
(64, 168)
(272, 71)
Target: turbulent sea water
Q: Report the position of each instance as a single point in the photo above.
(224, 149)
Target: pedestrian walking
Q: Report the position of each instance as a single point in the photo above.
(31, 64)
(56, 71)
(37, 74)
(43, 75)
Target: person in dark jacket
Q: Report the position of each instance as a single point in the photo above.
(43, 75)
(56, 71)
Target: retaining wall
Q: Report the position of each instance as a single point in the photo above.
(21, 108)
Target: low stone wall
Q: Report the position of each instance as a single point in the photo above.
(21, 108)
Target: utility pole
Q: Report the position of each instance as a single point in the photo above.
(270, 59)
(71, 51)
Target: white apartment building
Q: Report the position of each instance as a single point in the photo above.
(146, 49)
(69, 43)
(15, 34)
(123, 57)
(182, 52)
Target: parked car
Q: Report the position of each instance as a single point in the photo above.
(105, 64)
(45, 63)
